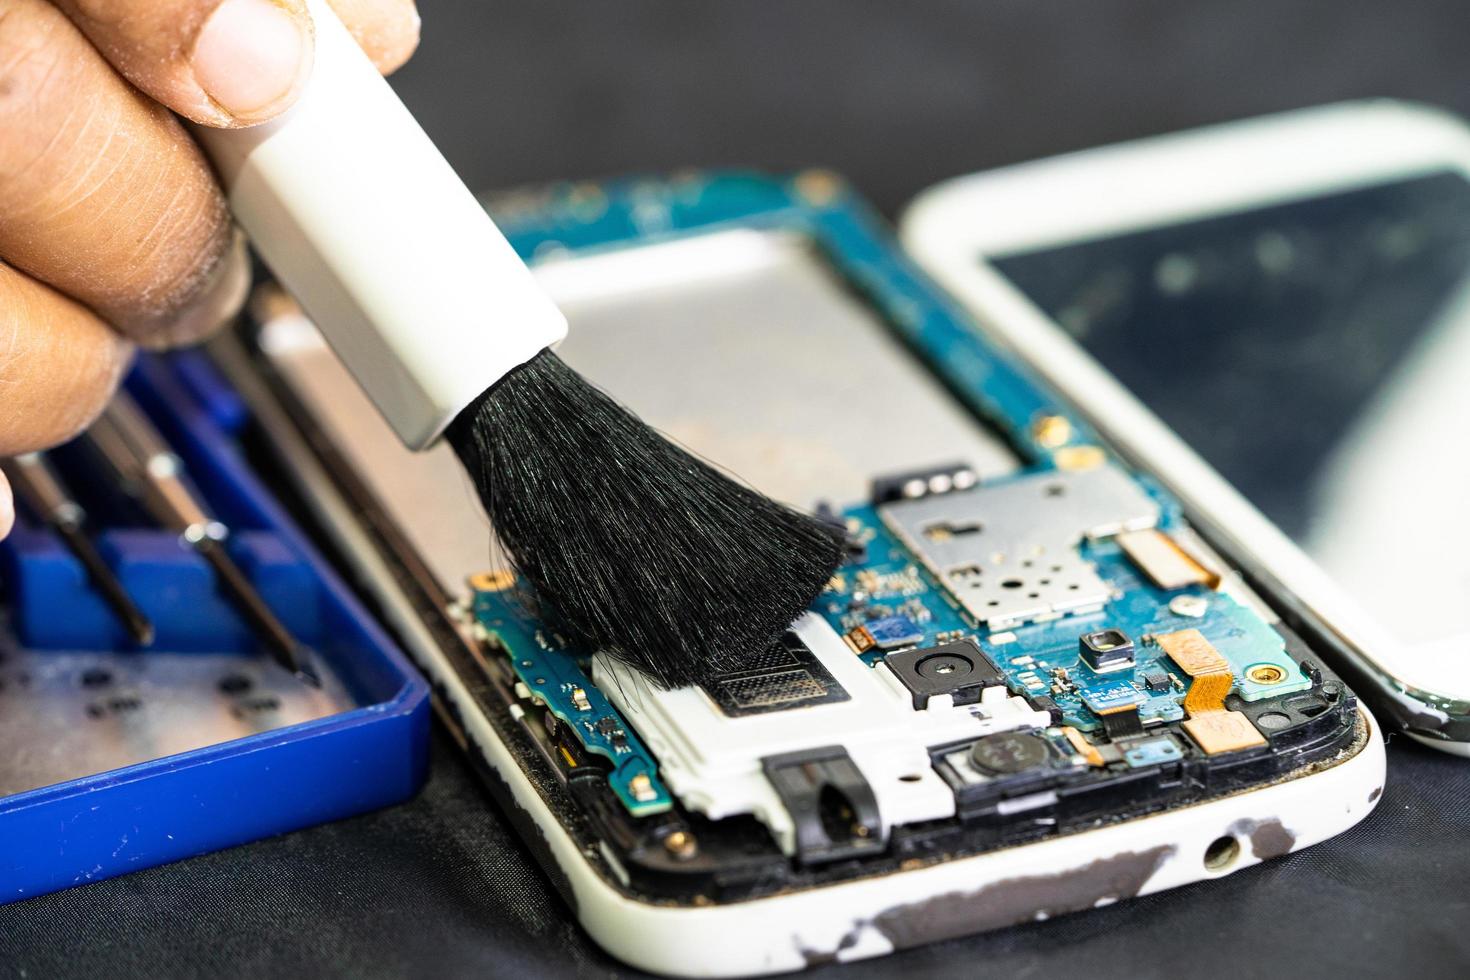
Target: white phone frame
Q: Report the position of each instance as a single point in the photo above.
(1163, 180)
(850, 920)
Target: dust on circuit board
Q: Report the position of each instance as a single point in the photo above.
(1065, 590)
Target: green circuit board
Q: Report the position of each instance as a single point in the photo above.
(890, 588)
(885, 595)
(896, 593)
(557, 678)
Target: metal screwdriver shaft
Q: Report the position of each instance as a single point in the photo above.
(41, 488)
(150, 472)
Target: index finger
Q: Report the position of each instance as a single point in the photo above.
(102, 194)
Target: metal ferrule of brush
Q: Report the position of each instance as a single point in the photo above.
(364, 222)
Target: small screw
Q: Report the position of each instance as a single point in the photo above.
(1266, 674)
(681, 844)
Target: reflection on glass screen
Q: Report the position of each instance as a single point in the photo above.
(1317, 353)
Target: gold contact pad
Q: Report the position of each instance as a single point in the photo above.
(1216, 732)
(859, 640)
(1084, 748)
(496, 581)
(1213, 728)
(1162, 559)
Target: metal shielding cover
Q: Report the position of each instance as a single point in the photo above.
(764, 363)
(1007, 552)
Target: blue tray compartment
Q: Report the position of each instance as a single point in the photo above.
(370, 754)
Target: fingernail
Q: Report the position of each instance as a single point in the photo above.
(7, 508)
(249, 57)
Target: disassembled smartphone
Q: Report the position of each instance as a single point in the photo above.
(1289, 294)
(1032, 688)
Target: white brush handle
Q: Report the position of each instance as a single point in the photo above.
(363, 220)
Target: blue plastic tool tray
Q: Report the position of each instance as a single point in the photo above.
(114, 758)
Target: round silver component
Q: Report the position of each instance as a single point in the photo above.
(1193, 606)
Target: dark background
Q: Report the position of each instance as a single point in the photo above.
(895, 94)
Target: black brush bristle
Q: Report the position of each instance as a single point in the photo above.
(644, 551)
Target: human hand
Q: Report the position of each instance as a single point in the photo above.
(113, 232)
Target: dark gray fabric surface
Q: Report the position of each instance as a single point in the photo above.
(896, 94)
(442, 887)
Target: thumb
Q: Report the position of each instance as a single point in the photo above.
(230, 62)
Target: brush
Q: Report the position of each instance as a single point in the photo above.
(632, 546)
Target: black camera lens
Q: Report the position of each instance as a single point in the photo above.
(944, 666)
(958, 669)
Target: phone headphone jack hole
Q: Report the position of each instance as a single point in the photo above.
(1222, 853)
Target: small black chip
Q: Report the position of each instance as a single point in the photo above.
(1104, 650)
(1156, 681)
(612, 731)
(958, 669)
(1122, 723)
(853, 549)
(1043, 702)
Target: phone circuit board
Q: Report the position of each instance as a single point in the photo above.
(999, 658)
(555, 678)
(1096, 666)
(891, 601)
